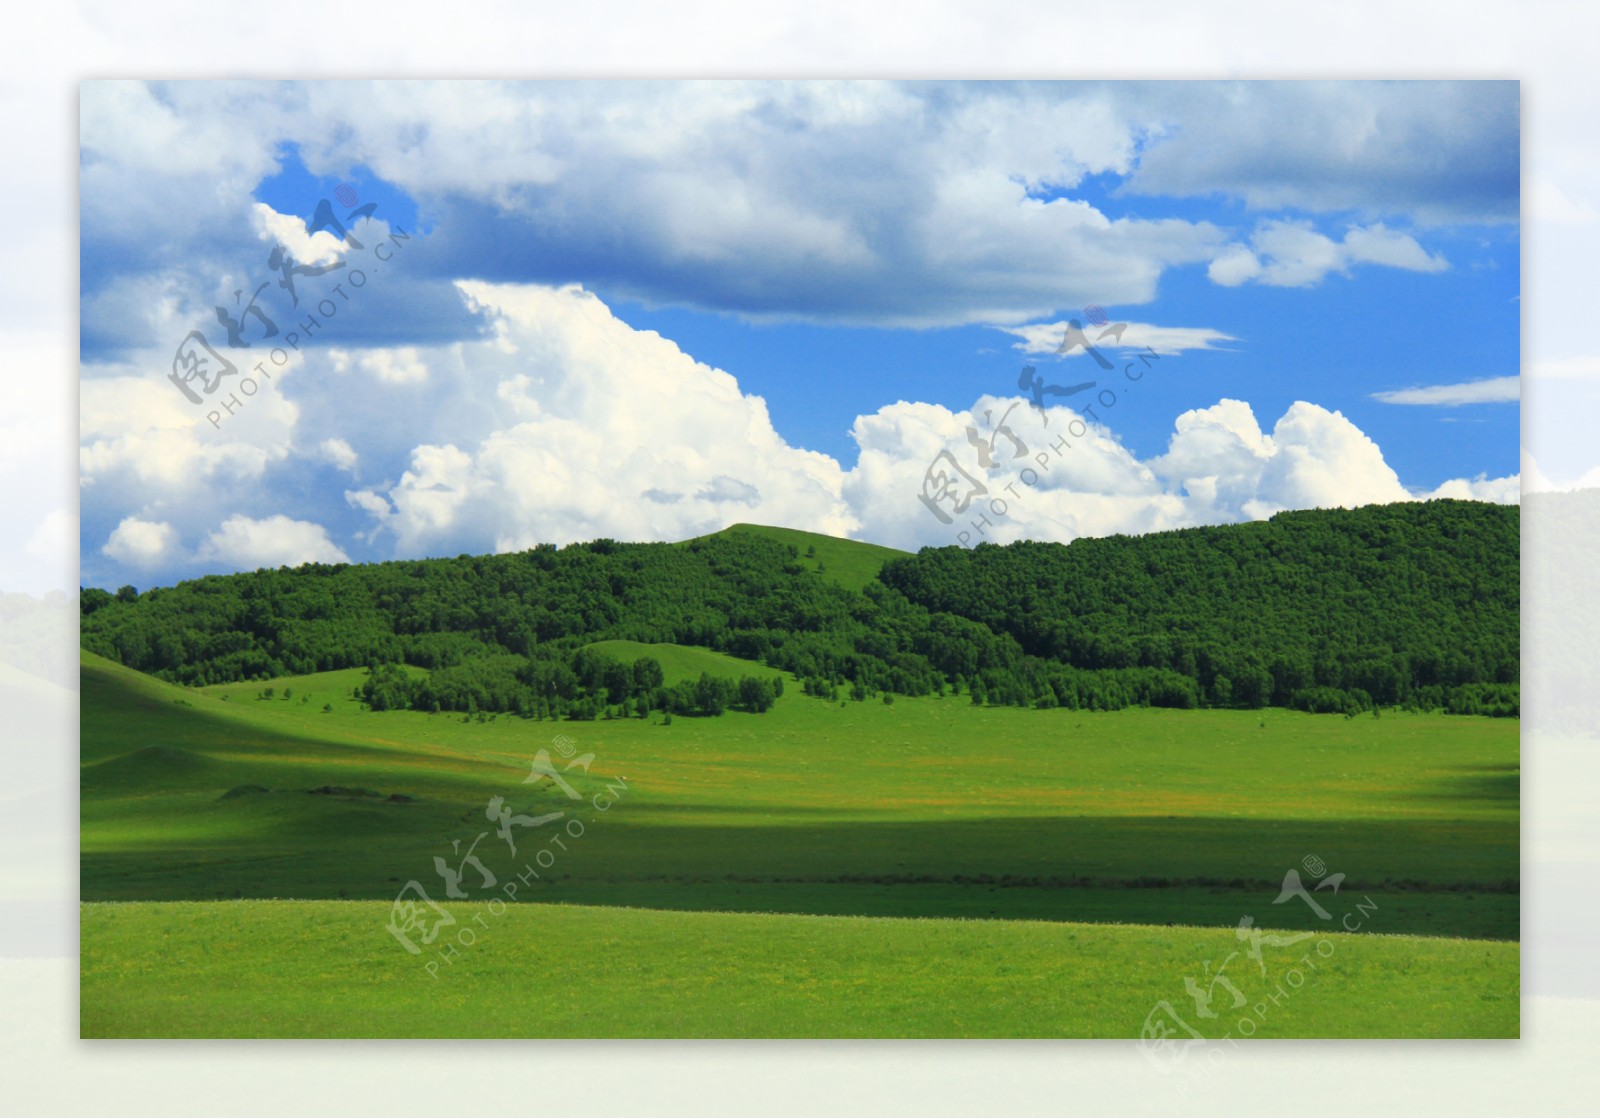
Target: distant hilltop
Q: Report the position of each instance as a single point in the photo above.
(1338, 610)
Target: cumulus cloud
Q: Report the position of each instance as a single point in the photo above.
(136, 430)
(1535, 480)
(1057, 476)
(592, 416)
(1293, 254)
(603, 430)
(1501, 491)
(1320, 460)
(1236, 265)
(141, 543)
(393, 365)
(245, 543)
(1492, 390)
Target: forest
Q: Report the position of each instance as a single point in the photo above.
(1411, 605)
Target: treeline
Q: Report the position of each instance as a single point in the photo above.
(1413, 604)
(588, 685)
(1331, 610)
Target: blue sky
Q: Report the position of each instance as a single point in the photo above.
(648, 310)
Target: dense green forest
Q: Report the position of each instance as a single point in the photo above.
(1412, 604)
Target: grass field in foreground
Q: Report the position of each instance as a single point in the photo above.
(329, 969)
(753, 875)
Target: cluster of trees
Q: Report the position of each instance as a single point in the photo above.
(589, 685)
(1339, 610)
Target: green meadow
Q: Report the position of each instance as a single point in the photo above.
(315, 969)
(917, 868)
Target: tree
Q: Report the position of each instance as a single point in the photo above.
(711, 695)
(755, 695)
(647, 674)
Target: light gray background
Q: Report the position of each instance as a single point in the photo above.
(45, 1070)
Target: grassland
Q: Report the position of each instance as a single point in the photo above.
(682, 662)
(317, 969)
(1078, 838)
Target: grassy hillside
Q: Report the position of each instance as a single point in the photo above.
(683, 662)
(328, 969)
(1413, 605)
(1075, 839)
(851, 564)
(926, 807)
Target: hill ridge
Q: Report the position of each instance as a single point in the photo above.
(1326, 610)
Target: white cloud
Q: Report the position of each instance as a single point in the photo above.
(1534, 479)
(432, 492)
(141, 543)
(1314, 458)
(1076, 479)
(1235, 266)
(1502, 491)
(395, 365)
(373, 503)
(135, 429)
(1046, 338)
(1375, 244)
(887, 203)
(591, 416)
(338, 452)
(1434, 152)
(1492, 390)
(609, 431)
(163, 167)
(1322, 460)
(563, 423)
(311, 250)
(1293, 254)
(245, 543)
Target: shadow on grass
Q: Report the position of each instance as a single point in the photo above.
(1144, 870)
